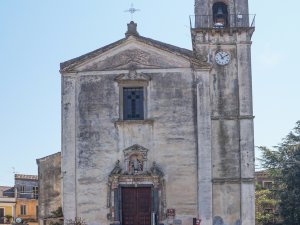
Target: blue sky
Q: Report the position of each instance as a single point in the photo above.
(37, 35)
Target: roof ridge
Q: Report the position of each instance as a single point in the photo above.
(64, 66)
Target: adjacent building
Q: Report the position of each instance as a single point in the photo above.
(7, 205)
(20, 201)
(264, 180)
(27, 193)
(267, 197)
(49, 172)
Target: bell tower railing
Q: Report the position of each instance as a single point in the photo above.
(232, 21)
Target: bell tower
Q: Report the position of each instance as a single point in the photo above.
(221, 36)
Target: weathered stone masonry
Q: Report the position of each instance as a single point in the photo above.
(192, 147)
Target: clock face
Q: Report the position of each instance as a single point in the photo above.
(222, 58)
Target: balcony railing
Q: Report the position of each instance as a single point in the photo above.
(229, 21)
(21, 194)
(27, 195)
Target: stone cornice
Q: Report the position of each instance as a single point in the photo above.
(68, 74)
(232, 180)
(133, 122)
(197, 65)
(244, 117)
(26, 177)
(230, 30)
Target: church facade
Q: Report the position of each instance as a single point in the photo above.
(156, 134)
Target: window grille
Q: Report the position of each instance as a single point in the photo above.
(133, 103)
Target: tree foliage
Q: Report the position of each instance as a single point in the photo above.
(57, 213)
(264, 200)
(283, 164)
(56, 217)
(76, 221)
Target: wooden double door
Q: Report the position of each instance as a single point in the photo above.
(136, 206)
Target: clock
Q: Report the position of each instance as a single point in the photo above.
(222, 58)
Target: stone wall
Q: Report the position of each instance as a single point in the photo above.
(49, 172)
(168, 133)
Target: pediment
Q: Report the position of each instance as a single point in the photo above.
(135, 149)
(132, 53)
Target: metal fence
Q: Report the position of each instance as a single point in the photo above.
(230, 21)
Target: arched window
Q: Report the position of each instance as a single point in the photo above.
(220, 14)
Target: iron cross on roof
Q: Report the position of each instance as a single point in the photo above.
(132, 10)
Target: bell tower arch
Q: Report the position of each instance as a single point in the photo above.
(220, 14)
(221, 36)
(204, 7)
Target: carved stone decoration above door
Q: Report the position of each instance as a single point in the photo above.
(135, 159)
(134, 173)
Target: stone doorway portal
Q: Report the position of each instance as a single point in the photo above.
(136, 193)
(136, 206)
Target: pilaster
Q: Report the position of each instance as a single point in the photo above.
(204, 146)
(246, 129)
(68, 166)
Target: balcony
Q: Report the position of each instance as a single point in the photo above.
(27, 195)
(227, 21)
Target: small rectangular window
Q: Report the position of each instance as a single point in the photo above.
(35, 192)
(133, 103)
(268, 184)
(268, 210)
(22, 189)
(23, 209)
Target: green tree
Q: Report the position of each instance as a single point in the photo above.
(265, 204)
(283, 164)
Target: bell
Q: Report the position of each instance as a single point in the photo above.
(220, 11)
